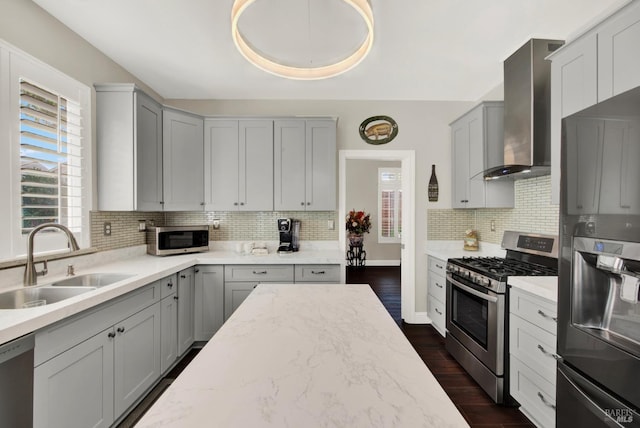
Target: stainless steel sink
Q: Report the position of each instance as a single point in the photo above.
(38, 296)
(91, 280)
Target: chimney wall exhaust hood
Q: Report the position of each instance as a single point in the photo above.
(527, 117)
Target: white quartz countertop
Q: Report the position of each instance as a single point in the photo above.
(542, 286)
(454, 249)
(306, 356)
(143, 269)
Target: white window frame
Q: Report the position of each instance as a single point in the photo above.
(395, 186)
(14, 65)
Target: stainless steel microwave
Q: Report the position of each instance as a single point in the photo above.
(167, 240)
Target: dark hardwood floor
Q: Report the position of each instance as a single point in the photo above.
(476, 406)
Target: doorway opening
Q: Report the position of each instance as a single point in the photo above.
(407, 243)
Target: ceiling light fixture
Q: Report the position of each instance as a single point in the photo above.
(362, 7)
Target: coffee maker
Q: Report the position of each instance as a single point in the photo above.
(289, 230)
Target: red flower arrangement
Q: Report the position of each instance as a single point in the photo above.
(358, 222)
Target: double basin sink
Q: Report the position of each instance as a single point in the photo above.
(30, 297)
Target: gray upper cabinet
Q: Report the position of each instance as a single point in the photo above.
(129, 149)
(238, 165)
(183, 166)
(477, 140)
(618, 59)
(574, 86)
(305, 165)
(601, 63)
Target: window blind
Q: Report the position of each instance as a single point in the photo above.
(390, 203)
(50, 158)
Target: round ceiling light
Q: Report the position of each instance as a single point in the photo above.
(297, 71)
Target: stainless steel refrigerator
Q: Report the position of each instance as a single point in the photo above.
(598, 377)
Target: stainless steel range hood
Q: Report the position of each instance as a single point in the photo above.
(527, 118)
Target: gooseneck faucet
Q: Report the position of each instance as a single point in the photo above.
(30, 274)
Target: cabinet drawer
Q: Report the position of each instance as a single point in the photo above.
(436, 311)
(58, 337)
(437, 286)
(533, 346)
(536, 395)
(168, 286)
(317, 273)
(261, 273)
(437, 265)
(538, 311)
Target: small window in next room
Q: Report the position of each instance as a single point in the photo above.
(389, 205)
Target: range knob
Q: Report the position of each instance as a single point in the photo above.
(483, 281)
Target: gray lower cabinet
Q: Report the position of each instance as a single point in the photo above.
(169, 323)
(209, 301)
(240, 280)
(436, 294)
(186, 306)
(234, 294)
(92, 367)
(310, 274)
(137, 357)
(75, 389)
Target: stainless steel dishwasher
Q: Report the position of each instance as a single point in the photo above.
(16, 385)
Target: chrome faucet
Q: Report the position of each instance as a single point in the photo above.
(30, 274)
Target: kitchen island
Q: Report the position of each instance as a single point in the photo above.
(306, 356)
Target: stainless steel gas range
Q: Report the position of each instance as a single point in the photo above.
(477, 306)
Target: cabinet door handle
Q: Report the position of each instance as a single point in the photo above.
(235, 203)
(318, 272)
(183, 276)
(545, 352)
(256, 285)
(120, 329)
(241, 203)
(260, 272)
(197, 270)
(438, 266)
(202, 204)
(175, 297)
(170, 285)
(438, 285)
(308, 203)
(543, 315)
(438, 311)
(301, 203)
(544, 401)
(111, 335)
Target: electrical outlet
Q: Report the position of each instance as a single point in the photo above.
(493, 225)
(106, 228)
(216, 224)
(331, 224)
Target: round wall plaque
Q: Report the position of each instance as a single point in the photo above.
(378, 130)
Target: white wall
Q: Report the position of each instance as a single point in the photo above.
(48, 40)
(423, 127)
(362, 194)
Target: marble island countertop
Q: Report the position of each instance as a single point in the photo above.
(143, 269)
(306, 356)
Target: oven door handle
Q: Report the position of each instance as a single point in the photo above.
(470, 290)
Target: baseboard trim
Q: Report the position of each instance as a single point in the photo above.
(419, 318)
(382, 262)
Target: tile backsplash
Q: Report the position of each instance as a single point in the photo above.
(533, 212)
(234, 226)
